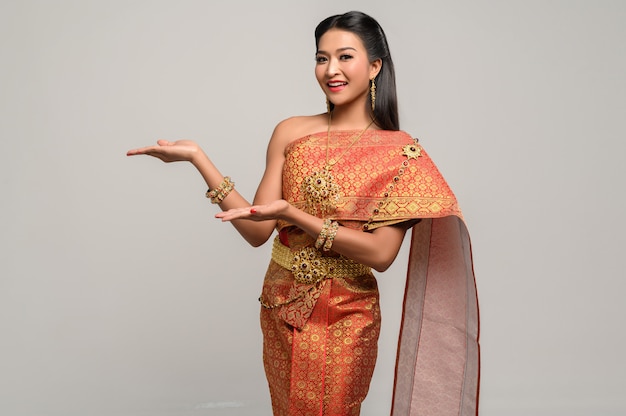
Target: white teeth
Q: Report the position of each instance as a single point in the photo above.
(336, 84)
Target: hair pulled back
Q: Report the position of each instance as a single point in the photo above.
(371, 34)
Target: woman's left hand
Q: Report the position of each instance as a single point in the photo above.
(271, 211)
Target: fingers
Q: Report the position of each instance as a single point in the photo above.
(140, 151)
(251, 213)
(147, 149)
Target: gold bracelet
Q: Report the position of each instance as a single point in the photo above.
(321, 238)
(218, 194)
(330, 236)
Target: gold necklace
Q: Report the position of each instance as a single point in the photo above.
(329, 165)
(321, 193)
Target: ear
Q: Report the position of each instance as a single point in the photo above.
(375, 67)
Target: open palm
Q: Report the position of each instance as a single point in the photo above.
(178, 151)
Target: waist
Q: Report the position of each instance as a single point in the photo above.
(309, 266)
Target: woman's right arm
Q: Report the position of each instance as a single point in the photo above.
(270, 187)
(269, 190)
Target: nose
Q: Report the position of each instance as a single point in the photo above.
(332, 68)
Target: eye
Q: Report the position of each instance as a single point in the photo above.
(345, 57)
(320, 59)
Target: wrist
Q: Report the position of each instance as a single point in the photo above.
(286, 214)
(198, 157)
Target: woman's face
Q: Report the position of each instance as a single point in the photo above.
(343, 69)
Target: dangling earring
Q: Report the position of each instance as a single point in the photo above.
(327, 105)
(373, 94)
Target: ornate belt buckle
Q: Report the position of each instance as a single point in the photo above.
(307, 266)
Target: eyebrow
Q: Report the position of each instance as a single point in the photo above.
(345, 48)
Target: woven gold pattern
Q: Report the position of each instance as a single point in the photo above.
(368, 175)
(327, 267)
(320, 339)
(319, 350)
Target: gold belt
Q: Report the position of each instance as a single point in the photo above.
(309, 266)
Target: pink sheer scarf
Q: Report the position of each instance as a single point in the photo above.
(437, 368)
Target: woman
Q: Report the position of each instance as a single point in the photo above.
(342, 188)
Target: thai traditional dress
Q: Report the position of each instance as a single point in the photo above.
(320, 316)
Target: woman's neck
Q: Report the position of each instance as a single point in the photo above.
(349, 118)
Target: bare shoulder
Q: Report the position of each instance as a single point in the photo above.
(295, 127)
(286, 132)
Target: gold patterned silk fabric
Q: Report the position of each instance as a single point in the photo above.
(325, 367)
(320, 344)
(378, 173)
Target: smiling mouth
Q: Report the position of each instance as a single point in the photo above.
(337, 84)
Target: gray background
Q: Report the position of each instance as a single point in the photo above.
(120, 294)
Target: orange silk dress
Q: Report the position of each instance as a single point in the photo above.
(320, 339)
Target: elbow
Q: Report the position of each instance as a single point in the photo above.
(256, 242)
(383, 260)
(258, 237)
(381, 264)
(381, 267)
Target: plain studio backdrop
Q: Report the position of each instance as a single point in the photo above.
(121, 295)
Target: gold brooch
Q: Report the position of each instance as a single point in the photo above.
(321, 193)
(307, 266)
(412, 151)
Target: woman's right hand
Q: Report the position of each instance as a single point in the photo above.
(178, 151)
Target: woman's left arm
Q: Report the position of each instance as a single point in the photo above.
(376, 249)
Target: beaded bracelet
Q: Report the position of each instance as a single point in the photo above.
(330, 237)
(321, 238)
(218, 194)
(327, 235)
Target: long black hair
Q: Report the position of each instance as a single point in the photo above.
(373, 37)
